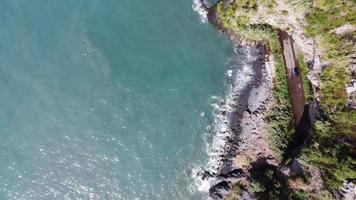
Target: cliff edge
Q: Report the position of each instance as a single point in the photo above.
(284, 151)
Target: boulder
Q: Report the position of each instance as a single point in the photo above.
(220, 190)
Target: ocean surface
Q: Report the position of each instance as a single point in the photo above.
(108, 99)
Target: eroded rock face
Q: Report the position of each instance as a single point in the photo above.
(351, 93)
(220, 190)
(212, 16)
(348, 191)
(247, 123)
(230, 173)
(294, 169)
(344, 29)
(226, 179)
(205, 175)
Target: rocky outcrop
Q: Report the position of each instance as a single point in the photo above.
(220, 190)
(250, 147)
(344, 30)
(347, 31)
(253, 143)
(348, 191)
(226, 180)
(351, 94)
(250, 141)
(250, 129)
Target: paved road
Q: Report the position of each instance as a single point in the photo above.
(294, 76)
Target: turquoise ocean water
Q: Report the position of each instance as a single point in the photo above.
(106, 99)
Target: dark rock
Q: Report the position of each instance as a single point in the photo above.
(231, 173)
(205, 174)
(220, 190)
(293, 169)
(249, 111)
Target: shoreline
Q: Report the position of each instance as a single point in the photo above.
(247, 147)
(248, 138)
(277, 165)
(247, 152)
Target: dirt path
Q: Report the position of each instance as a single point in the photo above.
(294, 76)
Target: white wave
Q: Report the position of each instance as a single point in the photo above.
(199, 8)
(239, 75)
(223, 107)
(200, 184)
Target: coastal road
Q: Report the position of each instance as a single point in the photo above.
(294, 76)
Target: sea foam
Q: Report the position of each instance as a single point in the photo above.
(239, 75)
(199, 8)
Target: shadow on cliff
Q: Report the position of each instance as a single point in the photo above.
(300, 138)
(267, 182)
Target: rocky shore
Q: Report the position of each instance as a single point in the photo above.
(248, 145)
(248, 155)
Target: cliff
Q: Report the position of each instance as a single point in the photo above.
(312, 157)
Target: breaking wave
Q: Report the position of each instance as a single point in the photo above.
(238, 76)
(199, 8)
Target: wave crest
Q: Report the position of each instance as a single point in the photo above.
(200, 9)
(239, 75)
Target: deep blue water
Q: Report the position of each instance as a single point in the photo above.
(105, 99)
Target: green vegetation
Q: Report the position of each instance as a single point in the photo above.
(236, 17)
(326, 15)
(266, 184)
(331, 149)
(332, 157)
(280, 119)
(300, 194)
(257, 187)
(238, 189)
(308, 89)
(237, 192)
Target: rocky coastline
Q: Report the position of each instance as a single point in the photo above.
(248, 152)
(247, 148)
(248, 142)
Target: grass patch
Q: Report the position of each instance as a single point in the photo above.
(236, 17)
(237, 191)
(331, 151)
(280, 118)
(329, 14)
(266, 184)
(308, 89)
